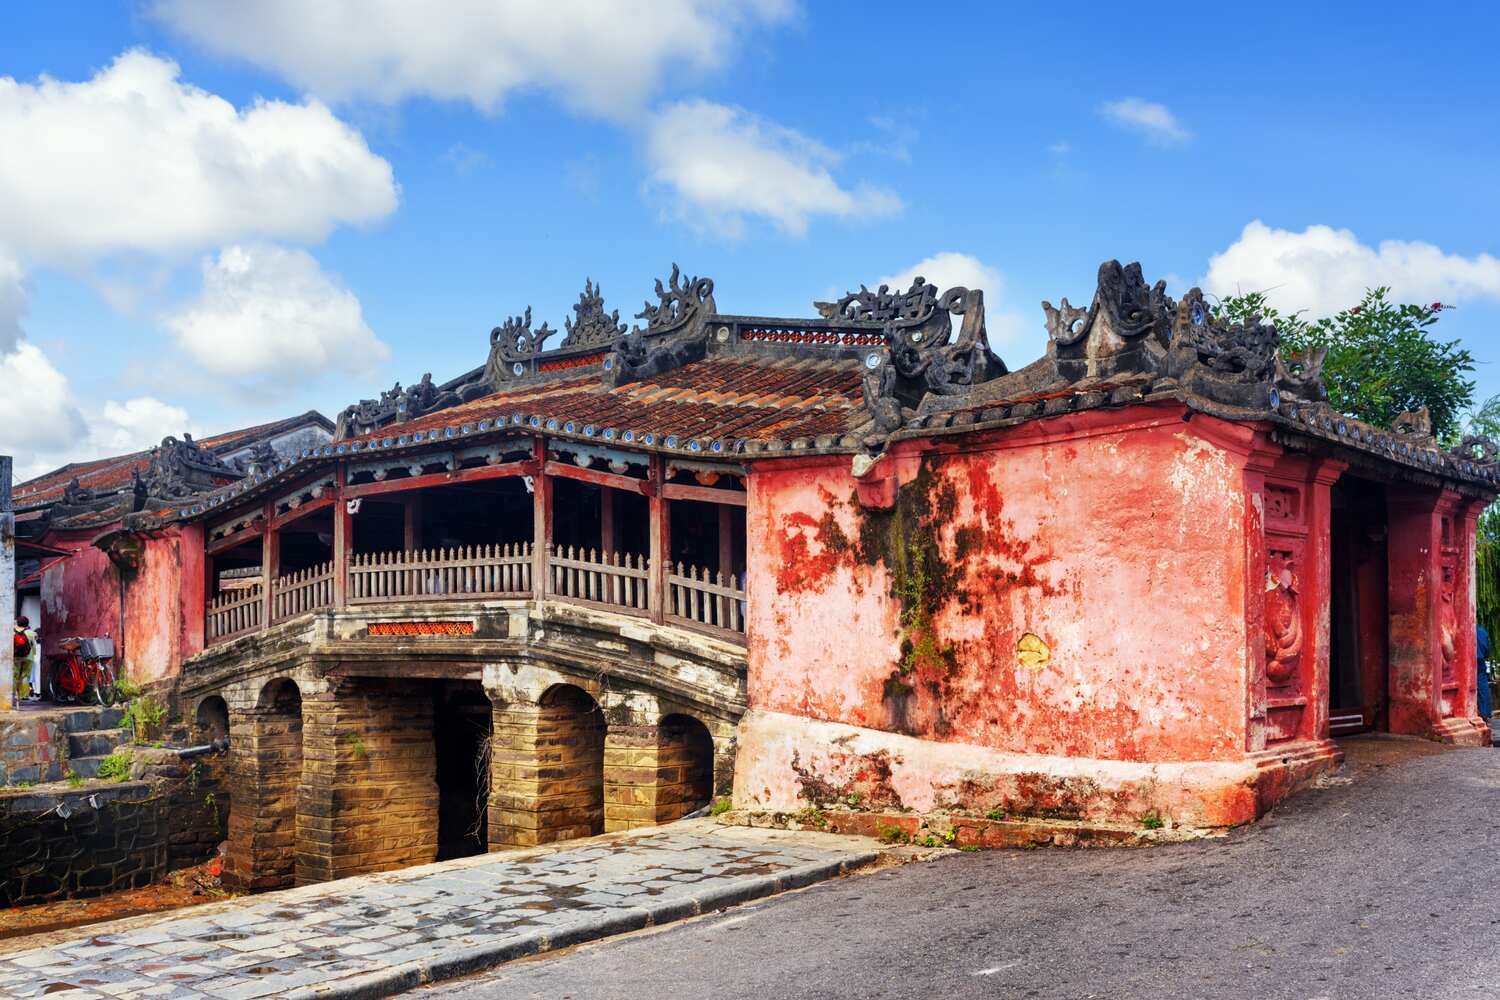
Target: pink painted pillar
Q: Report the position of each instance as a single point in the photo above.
(1432, 670)
(1413, 607)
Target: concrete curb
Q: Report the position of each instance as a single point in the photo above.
(468, 961)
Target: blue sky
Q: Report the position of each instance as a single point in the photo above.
(184, 263)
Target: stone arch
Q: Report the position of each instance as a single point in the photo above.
(279, 694)
(211, 718)
(685, 767)
(266, 772)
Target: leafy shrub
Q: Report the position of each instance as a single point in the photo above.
(116, 767)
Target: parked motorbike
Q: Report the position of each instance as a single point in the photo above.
(85, 673)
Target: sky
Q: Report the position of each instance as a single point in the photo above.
(214, 214)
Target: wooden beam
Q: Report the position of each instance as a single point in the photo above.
(296, 513)
(563, 470)
(705, 494)
(250, 534)
(442, 479)
(541, 522)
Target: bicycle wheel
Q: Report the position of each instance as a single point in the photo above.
(101, 684)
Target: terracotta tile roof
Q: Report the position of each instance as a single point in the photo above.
(719, 399)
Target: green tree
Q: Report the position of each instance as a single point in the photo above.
(1484, 421)
(1383, 359)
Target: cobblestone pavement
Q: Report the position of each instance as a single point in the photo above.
(1379, 883)
(381, 934)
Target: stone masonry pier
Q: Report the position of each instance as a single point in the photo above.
(369, 739)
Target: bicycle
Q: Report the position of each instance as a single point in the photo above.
(85, 673)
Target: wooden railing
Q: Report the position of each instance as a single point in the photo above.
(616, 579)
(306, 590)
(233, 613)
(427, 574)
(696, 596)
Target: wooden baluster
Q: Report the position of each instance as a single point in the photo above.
(698, 594)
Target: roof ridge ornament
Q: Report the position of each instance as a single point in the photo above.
(923, 357)
(912, 307)
(593, 327)
(395, 405)
(1131, 327)
(180, 468)
(1416, 422)
(679, 303)
(514, 347)
(675, 334)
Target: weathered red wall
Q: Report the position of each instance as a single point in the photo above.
(80, 595)
(163, 600)
(1116, 541)
(164, 604)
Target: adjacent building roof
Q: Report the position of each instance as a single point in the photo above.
(83, 494)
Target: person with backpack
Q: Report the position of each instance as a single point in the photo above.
(23, 644)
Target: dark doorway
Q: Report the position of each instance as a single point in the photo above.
(461, 734)
(1358, 622)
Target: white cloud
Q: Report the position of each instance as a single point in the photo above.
(1323, 270)
(36, 409)
(947, 270)
(136, 160)
(43, 427)
(604, 57)
(1154, 121)
(12, 302)
(722, 164)
(136, 424)
(268, 310)
(950, 269)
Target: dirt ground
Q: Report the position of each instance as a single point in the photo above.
(182, 888)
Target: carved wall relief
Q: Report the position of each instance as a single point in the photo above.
(1448, 639)
(1283, 616)
(1283, 503)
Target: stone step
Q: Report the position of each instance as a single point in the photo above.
(86, 767)
(82, 720)
(95, 743)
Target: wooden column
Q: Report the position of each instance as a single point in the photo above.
(726, 541)
(343, 538)
(606, 520)
(411, 517)
(661, 541)
(541, 520)
(270, 566)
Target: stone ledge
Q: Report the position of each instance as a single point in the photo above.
(960, 831)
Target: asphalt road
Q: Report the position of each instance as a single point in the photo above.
(1380, 884)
